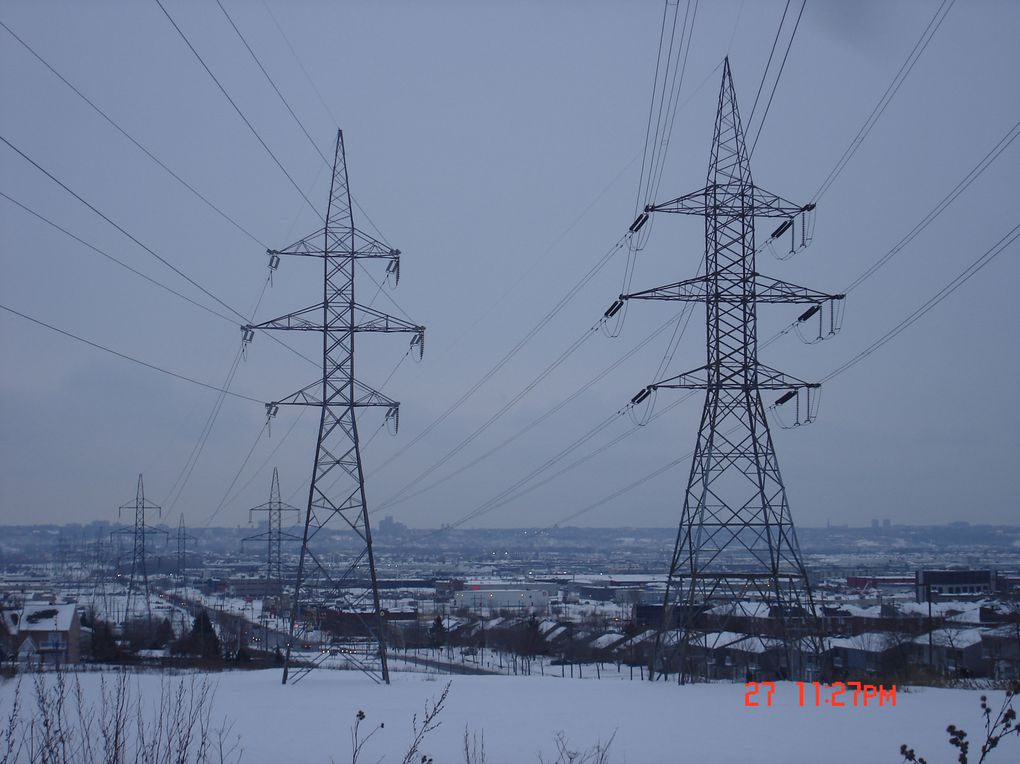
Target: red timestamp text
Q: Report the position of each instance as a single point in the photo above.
(836, 695)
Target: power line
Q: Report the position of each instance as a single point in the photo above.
(266, 461)
(959, 188)
(543, 257)
(152, 252)
(768, 64)
(126, 357)
(625, 489)
(928, 305)
(466, 441)
(200, 444)
(121, 263)
(311, 141)
(224, 390)
(923, 309)
(296, 118)
(778, 76)
(297, 58)
(971, 176)
(131, 138)
(335, 122)
(544, 416)
(237, 109)
(237, 475)
(665, 111)
(521, 487)
(165, 262)
(627, 239)
(196, 451)
(571, 293)
(674, 105)
(269, 79)
(939, 208)
(904, 71)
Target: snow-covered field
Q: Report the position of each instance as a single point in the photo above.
(311, 721)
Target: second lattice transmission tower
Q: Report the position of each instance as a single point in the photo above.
(736, 566)
(274, 535)
(138, 576)
(341, 598)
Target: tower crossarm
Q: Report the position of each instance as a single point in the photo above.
(273, 505)
(691, 290)
(148, 530)
(688, 204)
(339, 242)
(311, 395)
(698, 379)
(721, 199)
(763, 289)
(371, 320)
(365, 320)
(770, 290)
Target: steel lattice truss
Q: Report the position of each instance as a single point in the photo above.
(138, 580)
(273, 535)
(736, 555)
(348, 588)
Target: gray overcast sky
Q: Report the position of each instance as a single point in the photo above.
(496, 144)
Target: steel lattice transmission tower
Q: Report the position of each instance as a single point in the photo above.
(183, 537)
(337, 491)
(139, 575)
(736, 548)
(273, 535)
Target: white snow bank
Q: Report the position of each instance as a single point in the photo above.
(311, 721)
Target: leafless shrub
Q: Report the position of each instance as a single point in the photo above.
(474, 747)
(357, 741)
(10, 748)
(429, 722)
(63, 727)
(997, 728)
(597, 754)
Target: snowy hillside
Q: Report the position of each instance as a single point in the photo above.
(312, 720)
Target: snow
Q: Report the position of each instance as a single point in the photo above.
(868, 642)
(554, 634)
(311, 721)
(608, 639)
(43, 616)
(956, 638)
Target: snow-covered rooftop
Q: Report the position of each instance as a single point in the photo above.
(954, 638)
(42, 616)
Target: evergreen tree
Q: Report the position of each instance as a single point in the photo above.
(163, 635)
(438, 632)
(202, 639)
(104, 645)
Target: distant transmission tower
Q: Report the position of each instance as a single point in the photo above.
(337, 490)
(138, 578)
(737, 561)
(274, 535)
(183, 537)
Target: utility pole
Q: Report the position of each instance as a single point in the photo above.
(336, 493)
(736, 556)
(139, 575)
